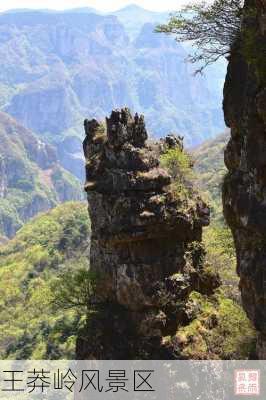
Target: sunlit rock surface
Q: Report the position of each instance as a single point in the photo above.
(145, 246)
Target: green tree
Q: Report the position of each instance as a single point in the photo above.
(179, 165)
(74, 290)
(210, 28)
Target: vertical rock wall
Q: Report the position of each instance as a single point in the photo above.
(145, 247)
(244, 189)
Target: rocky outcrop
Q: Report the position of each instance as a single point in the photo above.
(146, 248)
(244, 189)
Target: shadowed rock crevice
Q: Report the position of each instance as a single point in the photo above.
(244, 189)
(145, 247)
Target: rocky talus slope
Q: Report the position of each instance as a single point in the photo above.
(146, 246)
(244, 190)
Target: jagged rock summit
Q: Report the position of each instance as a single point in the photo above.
(145, 247)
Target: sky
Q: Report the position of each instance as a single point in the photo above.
(104, 5)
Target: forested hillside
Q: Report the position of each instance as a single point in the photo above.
(210, 169)
(52, 245)
(52, 249)
(232, 336)
(31, 178)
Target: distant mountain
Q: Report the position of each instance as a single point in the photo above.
(50, 11)
(134, 17)
(85, 10)
(31, 179)
(210, 169)
(127, 15)
(58, 68)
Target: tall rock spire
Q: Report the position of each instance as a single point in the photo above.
(145, 247)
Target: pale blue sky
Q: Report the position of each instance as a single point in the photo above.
(106, 5)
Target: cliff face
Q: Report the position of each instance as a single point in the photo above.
(145, 247)
(244, 189)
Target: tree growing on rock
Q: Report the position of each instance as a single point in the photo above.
(210, 28)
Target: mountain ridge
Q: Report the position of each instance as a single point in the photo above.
(31, 179)
(70, 66)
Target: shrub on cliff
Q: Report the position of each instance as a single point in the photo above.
(220, 330)
(179, 165)
(210, 27)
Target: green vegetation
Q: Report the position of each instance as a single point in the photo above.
(210, 171)
(179, 165)
(74, 290)
(220, 245)
(219, 327)
(31, 180)
(46, 252)
(220, 330)
(46, 288)
(212, 28)
(218, 240)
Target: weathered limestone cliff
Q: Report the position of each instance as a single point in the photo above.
(145, 247)
(244, 190)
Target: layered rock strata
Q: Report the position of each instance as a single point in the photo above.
(145, 246)
(244, 189)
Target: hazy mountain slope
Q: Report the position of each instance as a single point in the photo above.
(52, 243)
(134, 17)
(57, 68)
(210, 168)
(31, 180)
(183, 102)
